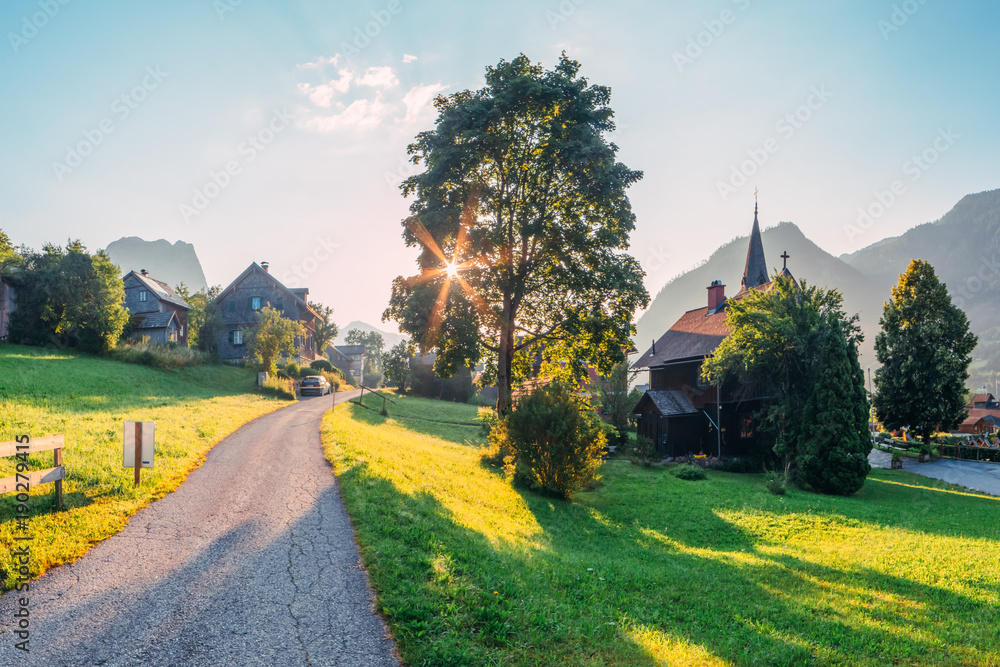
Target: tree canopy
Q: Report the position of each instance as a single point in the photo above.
(796, 344)
(522, 220)
(273, 337)
(68, 298)
(326, 328)
(925, 348)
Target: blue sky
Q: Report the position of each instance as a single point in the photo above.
(277, 131)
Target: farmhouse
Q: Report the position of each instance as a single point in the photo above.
(158, 312)
(7, 305)
(245, 296)
(680, 412)
(348, 358)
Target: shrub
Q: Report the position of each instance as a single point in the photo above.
(641, 450)
(688, 472)
(321, 365)
(775, 482)
(293, 369)
(487, 418)
(280, 387)
(556, 440)
(159, 355)
(498, 452)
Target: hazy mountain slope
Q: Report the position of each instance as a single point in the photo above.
(389, 337)
(964, 249)
(172, 263)
(808, 262)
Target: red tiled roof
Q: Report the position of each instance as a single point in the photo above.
(975, 414)
(982, 398)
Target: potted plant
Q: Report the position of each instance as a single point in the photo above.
(897, 461)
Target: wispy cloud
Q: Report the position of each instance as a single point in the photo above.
(379, 77)
(321, 62)
(322, 94)
(360, 114)
(418, 100)
(407, 58)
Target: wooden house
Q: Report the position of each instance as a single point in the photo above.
(680, 412)
(348, 358)
(159, 314)
(240, 302)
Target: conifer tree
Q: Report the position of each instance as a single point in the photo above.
(925, 348)
(834, 442)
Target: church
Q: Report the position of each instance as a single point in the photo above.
(681, 413)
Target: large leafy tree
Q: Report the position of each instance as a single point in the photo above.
(273, 337)
(326, 328)
(794, 342)
(69, 298)
(204, 321)
(396, 364)
(925, 348)
(522, 218)
(374, 344)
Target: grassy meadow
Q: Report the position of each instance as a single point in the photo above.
(46, 392)
(653, 570)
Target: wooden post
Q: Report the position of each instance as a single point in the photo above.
(57, 461)
(138, 451)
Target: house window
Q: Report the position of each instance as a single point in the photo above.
(236, 337)
(746, 428)
(143, 295)
(255, 303)
(280, 303)
(232, 305)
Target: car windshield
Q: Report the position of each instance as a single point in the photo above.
(310, 381)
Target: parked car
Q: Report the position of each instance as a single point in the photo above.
(314, 384)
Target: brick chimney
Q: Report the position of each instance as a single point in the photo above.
(716, 294)
(265, 266)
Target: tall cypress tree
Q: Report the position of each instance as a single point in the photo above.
(925, 348)
(834, 442)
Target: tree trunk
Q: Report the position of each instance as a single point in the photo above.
(506, 353)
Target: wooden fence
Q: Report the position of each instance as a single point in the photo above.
(24, 481)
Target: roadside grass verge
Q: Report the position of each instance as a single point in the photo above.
(45, 392)
(651, 569)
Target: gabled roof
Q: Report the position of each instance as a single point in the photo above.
(976, 414)
(982, 398)
(155, 320)
(694, 336)
(668, 402)
(348, 350)
(294, 293)
(163, 291)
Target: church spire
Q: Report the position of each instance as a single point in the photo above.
(755, 272)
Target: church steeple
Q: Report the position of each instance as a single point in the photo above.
(755, 272)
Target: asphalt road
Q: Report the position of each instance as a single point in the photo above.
(976, 475)
(252, 561)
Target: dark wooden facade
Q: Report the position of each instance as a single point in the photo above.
(159, 314)
(252, 290)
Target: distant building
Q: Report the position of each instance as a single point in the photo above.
(984, 415)
(984, 402)
(7, 305)
(680, 412)
(348, 358)
(245, 296)
(158, 312)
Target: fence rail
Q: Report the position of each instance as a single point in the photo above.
(24, 481)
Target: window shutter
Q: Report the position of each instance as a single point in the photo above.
(231, 337)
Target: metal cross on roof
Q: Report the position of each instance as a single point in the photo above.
(785, 256)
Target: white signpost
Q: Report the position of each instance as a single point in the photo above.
(138, 446)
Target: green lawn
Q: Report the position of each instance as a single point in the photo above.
(45, 392)
(650, 569)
